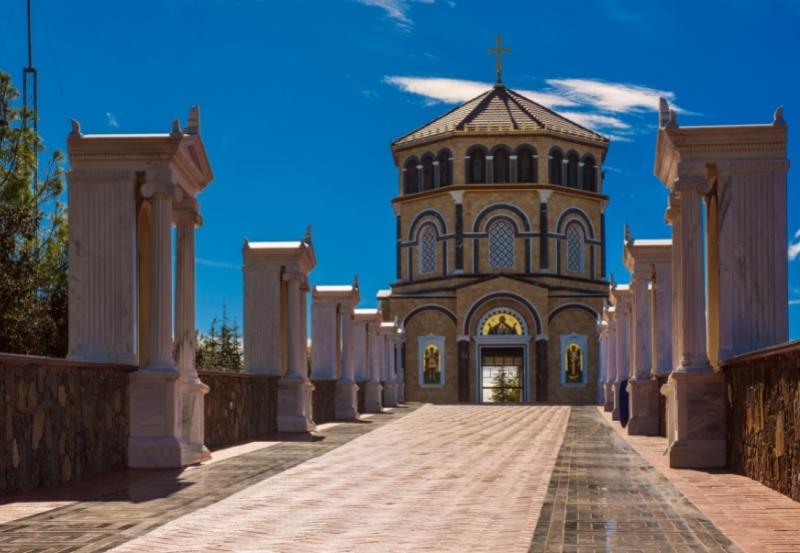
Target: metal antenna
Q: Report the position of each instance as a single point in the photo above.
(30, 100)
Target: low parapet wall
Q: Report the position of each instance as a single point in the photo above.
(239, 407)
(763, 418)
(60, 420)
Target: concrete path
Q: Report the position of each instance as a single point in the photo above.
(445, 478)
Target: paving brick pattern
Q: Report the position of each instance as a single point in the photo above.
(146, 500)
(445, 478)
(755, 517)
(603, 496)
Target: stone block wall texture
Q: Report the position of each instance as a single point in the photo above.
(239, 407)
(763, 416)
(60, 420)
(324, 398)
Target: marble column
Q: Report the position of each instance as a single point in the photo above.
(642, 388)
(155, 427)
(622, 316)
(399, 349)
(294, 389)
(463, 368)
(346, 387)
(661, 317)
(602, 373)
(373, 402)
(193, 390)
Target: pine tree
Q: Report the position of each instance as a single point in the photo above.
(220, 350)
(33, 238)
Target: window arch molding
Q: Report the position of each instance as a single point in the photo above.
(571, 214)
(527, 154)
(555, 160)
(502, 233)
(501, 164)
(423, 217)
(475, 164)
(410, 176)
(489, 209)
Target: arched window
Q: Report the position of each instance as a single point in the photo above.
(445, 168)
(556, 160)
(501, 244)
(502, 171)
(427, 249)
(572, 170)
(589, 174)
(526, 165)
(476, 166)
(427, 172)
(574, 248)
(410, 181)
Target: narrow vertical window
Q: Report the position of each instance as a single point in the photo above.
(589, 174)
(574, 248)
(556, 160)
(501, 244)
(445, 169)
(427, 249)
(476, 167)
(427, 172)
(572, 170)
(526, 165)
(502, 174)
(410, 180)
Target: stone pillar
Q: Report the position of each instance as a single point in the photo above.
(611, 363)
(642, 388)
(374, 391)
(399, 350)
(389, 334)
(346, 388)
(512, 169)
(602, 372)
(193, 391)
(544, 240)
(621, 296)
(661, 313)
(436, 175)
(155, 429)
(458, 198)
(463, 368)
(541, 368)
(294, 389)
(489, 169)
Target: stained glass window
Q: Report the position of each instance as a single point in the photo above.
(427, 249)
(501, 244)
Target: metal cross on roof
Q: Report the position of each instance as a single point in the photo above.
(499, 50)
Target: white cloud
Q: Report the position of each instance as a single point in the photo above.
(794, 302)
(613, 97)
(218, 264)
(595, 120)
(454, 91)
(112, 120)
(398, 9)
(794, 246)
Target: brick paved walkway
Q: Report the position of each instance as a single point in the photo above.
(755, 517)
(445, 478)
(603, 496)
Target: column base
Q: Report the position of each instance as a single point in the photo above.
(193, 419)
(346, 401)
(608, 397)
(155, 439)
(390, 395)
(643, 398)
(696, 419)
(372, 399)
(295, 405)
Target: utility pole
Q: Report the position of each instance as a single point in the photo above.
(30, 99)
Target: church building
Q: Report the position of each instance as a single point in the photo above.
(500, 254)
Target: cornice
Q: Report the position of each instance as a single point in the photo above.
(493, 188)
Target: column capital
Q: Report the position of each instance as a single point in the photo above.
(458, 196)
(673, 211)
(463, 338)
(544, 196)
(540, 337)
(697, 184)
(290, 276)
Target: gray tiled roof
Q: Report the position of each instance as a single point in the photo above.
(496, 110)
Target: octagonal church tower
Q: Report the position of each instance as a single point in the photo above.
(500, 254)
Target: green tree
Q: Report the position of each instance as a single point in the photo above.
(33, 237)
(506, 386)
(220, 350)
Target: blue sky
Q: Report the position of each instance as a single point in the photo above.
(301, 99)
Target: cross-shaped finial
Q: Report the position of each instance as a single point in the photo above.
(499, 50)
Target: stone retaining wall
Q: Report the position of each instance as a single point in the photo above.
(763, 417)
(60, 420)
(324, 401)
(239, 407)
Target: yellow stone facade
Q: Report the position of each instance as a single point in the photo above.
(467, 250)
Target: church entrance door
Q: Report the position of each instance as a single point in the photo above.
(502, 375)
